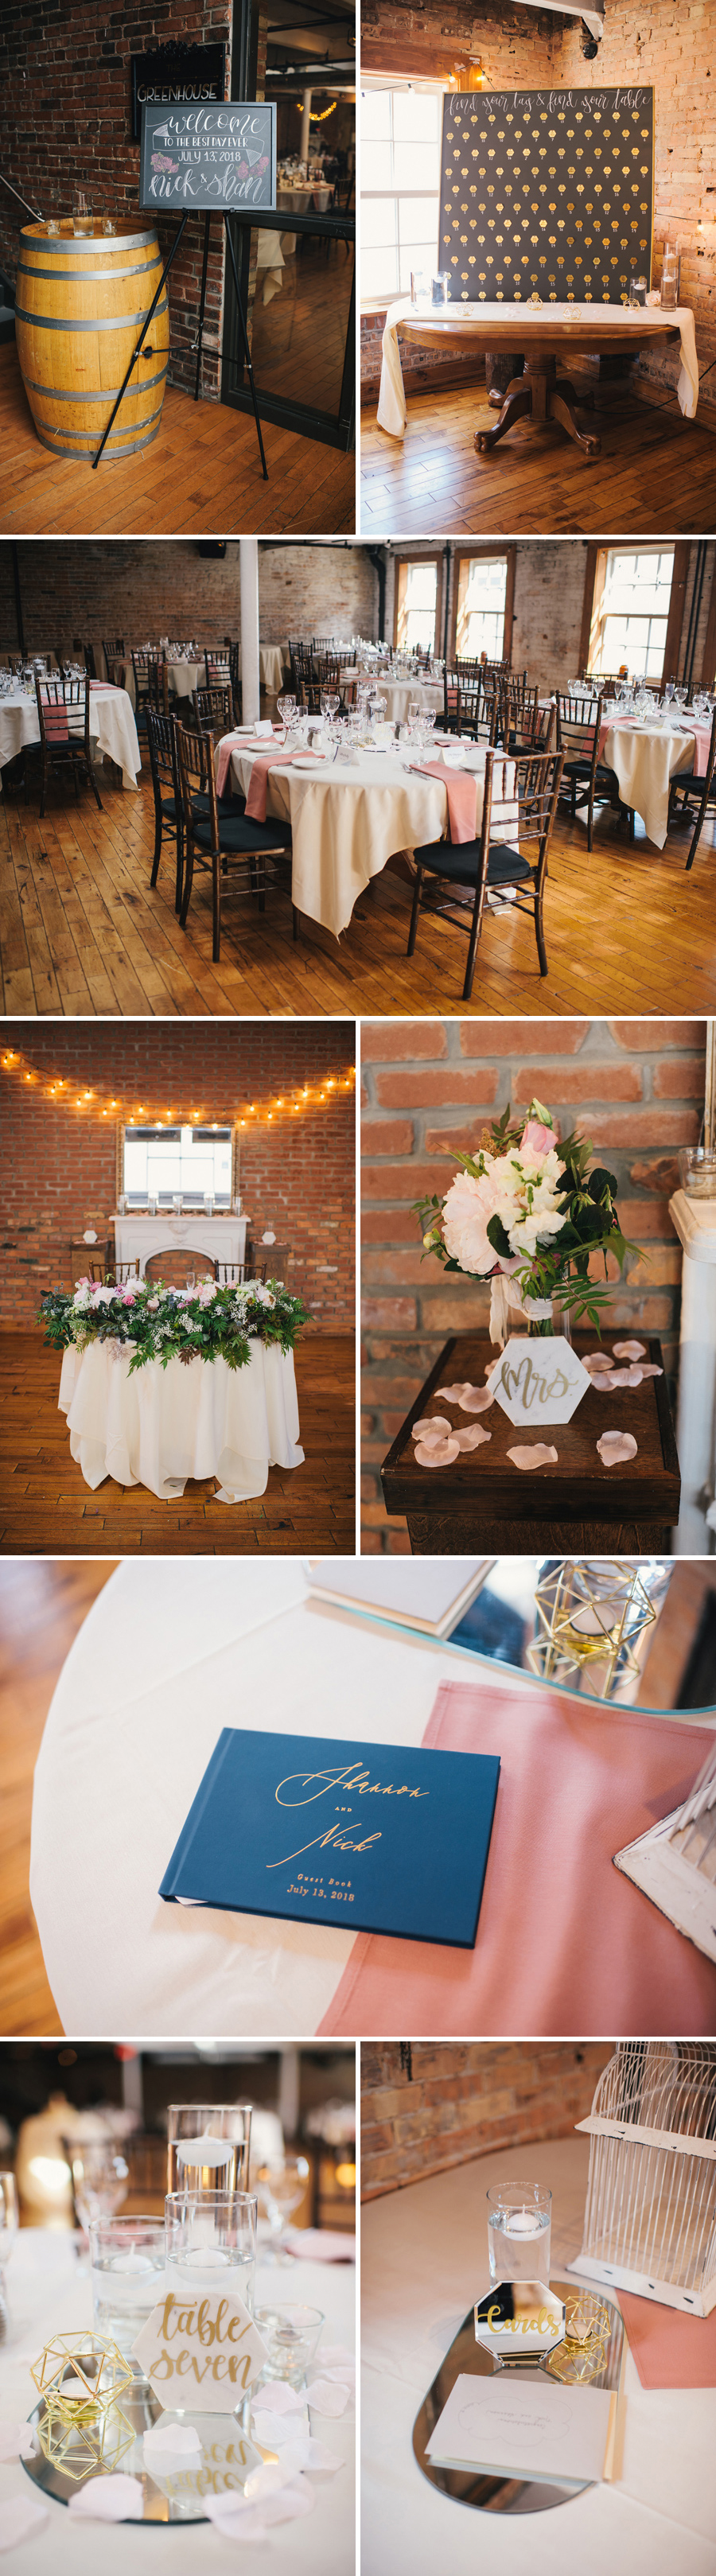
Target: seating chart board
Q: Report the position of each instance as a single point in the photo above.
(546, 193)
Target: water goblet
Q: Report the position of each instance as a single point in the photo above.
(100, 2180)
(191, 1280)
(281, 2182)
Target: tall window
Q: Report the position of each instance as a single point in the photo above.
(195, 1161)
(417, 604)
(481, 601)
(631, 611)
(400, 188)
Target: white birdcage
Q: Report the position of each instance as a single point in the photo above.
(650, 2216)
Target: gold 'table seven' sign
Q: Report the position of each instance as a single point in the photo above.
(199, 2349)
(546, 193)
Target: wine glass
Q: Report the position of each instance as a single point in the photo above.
(285, 707)
(100, 2180)
(191, 1281)
(280, 2184)
(8, 2230)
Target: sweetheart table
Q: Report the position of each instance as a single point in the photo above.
(555, 331)
(170, 1654)
(47, 2294)
(423, 2262)
(157, 1426)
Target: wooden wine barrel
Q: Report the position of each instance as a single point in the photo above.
(80, 307)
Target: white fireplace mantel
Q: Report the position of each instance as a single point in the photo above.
(222, 1238)
(695, 1223)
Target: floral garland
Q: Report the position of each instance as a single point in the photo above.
(526, 1213)
(160, 1323)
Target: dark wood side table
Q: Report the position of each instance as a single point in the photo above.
(484, 1505)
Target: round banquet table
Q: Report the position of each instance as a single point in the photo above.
(271, 659)
(346, 822)
(555, 331)
(157, 1426)
(113, 730)
(48, 2295)
(645, 758)
(400, 695)
(168, 1655)
(423, 2263)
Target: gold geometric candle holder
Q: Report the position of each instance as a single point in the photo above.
(82, 2429)
(590, 1613)
(587, 2330)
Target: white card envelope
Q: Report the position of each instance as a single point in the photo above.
(529, 2426)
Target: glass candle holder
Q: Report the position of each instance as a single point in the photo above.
(208, 2146)
(697, 1171)
(440, 287)
(128, 2259)
(52, 225)
(291, 2336)
(211, 2244)
(587, 2332)
(519, 2228)
(637, 290)
(418, 285)
(108, 227)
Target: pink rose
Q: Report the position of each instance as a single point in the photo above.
(536, 1141)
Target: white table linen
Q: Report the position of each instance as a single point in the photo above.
(272, 660)
(424, 2261)
(346, 822)
(136, 1236)
(645, 759)
(392, 413)
(113, 731)
(400, 695)
(159, 1426)
(47, 2295)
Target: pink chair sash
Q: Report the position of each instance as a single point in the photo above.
(565, 1943)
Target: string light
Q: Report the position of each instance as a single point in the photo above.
(306, 1099)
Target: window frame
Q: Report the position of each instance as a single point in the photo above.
(487, 554)
(420, 554)
(123, 1124)
(429, 88)
(594, 580)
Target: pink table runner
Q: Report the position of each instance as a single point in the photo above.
(670, 2350)
(461, 791)
(701, 732)
(564, 1942)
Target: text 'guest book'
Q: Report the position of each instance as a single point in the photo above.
(367, 1835)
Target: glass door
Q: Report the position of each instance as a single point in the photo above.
(297, 269)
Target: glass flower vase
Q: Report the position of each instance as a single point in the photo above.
(545, 1316)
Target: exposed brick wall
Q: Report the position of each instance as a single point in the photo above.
(119, 587)
(674, 50)
(298, 1175)
(636, 1087)
(548, 603)
(65, 117)
(463, 2101)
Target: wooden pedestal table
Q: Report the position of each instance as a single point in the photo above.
(484, 1505)
(556, 331)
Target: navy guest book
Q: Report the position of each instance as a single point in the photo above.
(321, 1830)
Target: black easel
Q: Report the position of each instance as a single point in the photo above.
(202, 302)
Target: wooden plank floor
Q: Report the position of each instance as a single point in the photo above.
(48, 1510)
(82, 932)
(656, 474)
(202, 476)
(41, 1609)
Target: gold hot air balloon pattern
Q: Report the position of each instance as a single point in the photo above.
(503, 161)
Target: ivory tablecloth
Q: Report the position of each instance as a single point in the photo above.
(346, 822)
(392, 413)
(48, 2295)
(423, 2263)
(646, 758)
(112, 728)
(170, 1653)
(271, 656)
(159, 1426)
(400, 695)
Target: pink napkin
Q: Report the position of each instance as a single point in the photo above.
(702, 733)
(321, 2244)
(564, 1942)
(670, 2350)
(461, 789)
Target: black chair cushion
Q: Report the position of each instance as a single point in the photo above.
(201, 805)
(460, 861)
(237, 832)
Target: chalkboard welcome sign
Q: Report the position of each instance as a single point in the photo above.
(548, 193)
(221, 158)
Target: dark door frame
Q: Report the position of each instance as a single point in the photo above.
(331, 429)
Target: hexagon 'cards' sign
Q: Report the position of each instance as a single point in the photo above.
(200, 2349)
(519, 2319)
(538, 1380)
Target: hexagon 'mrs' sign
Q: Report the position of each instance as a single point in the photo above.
(538, 1379)
(199, 2349)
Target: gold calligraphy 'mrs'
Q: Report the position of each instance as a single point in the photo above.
(530, 1385)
